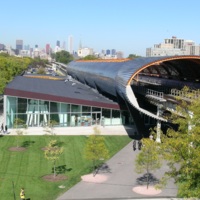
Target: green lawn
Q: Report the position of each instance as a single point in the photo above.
(25, 169)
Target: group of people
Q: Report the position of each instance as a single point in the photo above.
(4, 129)
(139, 145)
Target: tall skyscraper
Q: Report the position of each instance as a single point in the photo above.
(64, 46)
(113, 52)
(48, 49)
(108, 52)
(70, 44)
(19, 44)
(58, 43)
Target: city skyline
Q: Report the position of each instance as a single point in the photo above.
(126, 26)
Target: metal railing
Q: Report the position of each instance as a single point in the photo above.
(155, 93)
(191, 94)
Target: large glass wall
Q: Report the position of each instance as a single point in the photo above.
(38, 113)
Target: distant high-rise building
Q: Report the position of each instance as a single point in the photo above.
(19, 45)
(70, 44)
(64, 45)
(36, 46)
(173, 47)
(26, 47)
(103, 51)
(108, 52)
(58, 43)
(120, 54)
(2, 46)
(48, 49)
(113, 52)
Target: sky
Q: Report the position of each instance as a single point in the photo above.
(129, 26)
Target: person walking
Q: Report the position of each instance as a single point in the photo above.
(139, 144)
(134, 145)
(2, 127)
(6, 128)
(22, 194)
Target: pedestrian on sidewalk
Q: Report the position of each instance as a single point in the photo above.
(134, 145)
(6, 129)
(2, 127)
(139, 144)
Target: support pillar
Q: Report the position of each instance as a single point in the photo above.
(158, 126)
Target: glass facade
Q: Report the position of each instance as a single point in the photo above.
(38, 113)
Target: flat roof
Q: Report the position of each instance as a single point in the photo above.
(57, 90)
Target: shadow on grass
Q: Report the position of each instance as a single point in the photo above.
(61, 169)
(59, 144)
(27, 143)
(148, 177)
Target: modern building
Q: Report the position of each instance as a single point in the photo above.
(108, 52)
(107, 92)
(19, 44)
(25, 53)
(2, 46)
(70, 44)
(64, 45)
(58, 43)
(27, 47)
(48, 49)
(85, 51)
(174, 47)
(120, 54)
(113, 52)
(66, 101)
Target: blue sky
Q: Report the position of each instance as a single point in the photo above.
(125, 25)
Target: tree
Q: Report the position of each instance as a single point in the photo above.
(90, 57)
(148, 159)
(41, 70)
(63, 57)
(95, 148)
(52, 152)
(19, 125)
(181, 147)
(11, 66)
(132, 56)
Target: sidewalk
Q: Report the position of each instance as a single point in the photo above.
(107, 130)
(119, 182)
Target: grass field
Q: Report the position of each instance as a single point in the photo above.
(26, 169)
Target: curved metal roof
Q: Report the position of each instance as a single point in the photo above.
(116, 76)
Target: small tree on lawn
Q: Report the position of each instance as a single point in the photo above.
(95, 148)
(19, 125)
(52, 152)
(148, 159)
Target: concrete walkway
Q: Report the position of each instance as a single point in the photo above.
(121, 179)
(85, 130)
